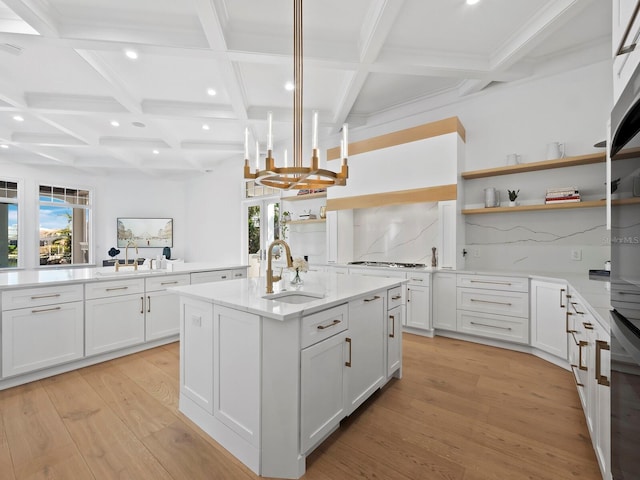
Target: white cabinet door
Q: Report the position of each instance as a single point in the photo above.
(323, 384)
(113, 323)
(548, 317)
(196, 352)
(40, 337)
(625, 63)
(394, 339)
(418, 302)
(162, 311)
(366, 345)
(599, 397)
(444, 301)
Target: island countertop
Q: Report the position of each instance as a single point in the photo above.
(247, 294)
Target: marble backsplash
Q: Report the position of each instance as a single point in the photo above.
(538, 241)
(402, 233)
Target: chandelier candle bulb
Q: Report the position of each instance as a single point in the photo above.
(257, 155)
(286, 161)
(270, 131)
(345, 142)
(246, 143)
(314, 142)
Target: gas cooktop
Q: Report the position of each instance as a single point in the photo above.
(388, 264)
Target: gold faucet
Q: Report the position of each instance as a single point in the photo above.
(130, 243)
(270, 276)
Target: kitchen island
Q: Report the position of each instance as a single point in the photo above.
(270, 378)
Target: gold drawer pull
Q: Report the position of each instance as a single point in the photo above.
(322, 327)
(372, 299)
(46, 310)
(348, 363)
(169, 283)
(491, 326)
(489, 301)
(396, 297)
(149, 306)
(575, 376)
(224, 277)
(238, 275)
(116, 288)
(50, 295)
(567, 329)
(588, 325)
(573, 304)
(602, 379)
(491, 283)
(581, 344)
(562, 290)
(417, 279)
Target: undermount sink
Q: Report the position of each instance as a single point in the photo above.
(293, 296)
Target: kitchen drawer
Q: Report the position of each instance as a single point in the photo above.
(39, 296)
(217, 275)
(318, 326)
(394, 297)
(377, 272)
(113, 288)
(502, 327)
(494, 282)
(163, 282)
(493, 301)
(416, 278)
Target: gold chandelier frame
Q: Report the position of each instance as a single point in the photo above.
(298, 177)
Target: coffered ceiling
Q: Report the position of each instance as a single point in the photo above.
(64, 70)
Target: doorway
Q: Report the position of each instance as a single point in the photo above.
(262, 226)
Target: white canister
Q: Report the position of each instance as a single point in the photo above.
(514, 159)
(491, 197)
(555, 150)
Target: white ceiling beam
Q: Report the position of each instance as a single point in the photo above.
(379, 20)
(119, 89)
(33, 13)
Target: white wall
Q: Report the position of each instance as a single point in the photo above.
(112, 198)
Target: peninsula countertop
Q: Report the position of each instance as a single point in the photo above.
(59, 275)
(247, 294)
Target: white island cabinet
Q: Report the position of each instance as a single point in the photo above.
(271, 379)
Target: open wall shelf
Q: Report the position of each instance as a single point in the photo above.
(313, 220)
(553, 206)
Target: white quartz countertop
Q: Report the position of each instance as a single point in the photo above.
(247, 294)
(52, 276)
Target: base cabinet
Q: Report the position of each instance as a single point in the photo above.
(444, 301)
(548, 317)
(162, 308)
(114, 323)
(323, 389)
(418, 302)
(394, 339)
(27, 335)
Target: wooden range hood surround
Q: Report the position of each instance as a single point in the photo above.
(428, 193)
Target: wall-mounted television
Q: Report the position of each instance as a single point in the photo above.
(145, 232)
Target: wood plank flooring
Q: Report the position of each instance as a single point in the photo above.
(462, 411)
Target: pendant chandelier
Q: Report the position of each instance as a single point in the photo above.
(296, 177)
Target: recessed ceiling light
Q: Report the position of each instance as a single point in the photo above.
(156, 152)
(18, 118)
(132, 54)
(4, 146)
(115, 123)
(211, 92)
(205, 126)
(472, 2)
(289, 87)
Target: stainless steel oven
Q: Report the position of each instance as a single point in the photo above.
(625, 283)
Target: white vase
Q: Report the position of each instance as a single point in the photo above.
(513, 204)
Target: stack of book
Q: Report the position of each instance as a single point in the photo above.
(562, 195)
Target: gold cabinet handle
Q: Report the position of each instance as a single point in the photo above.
(149, 305)
(575, 376)
(602, 379)
(508, 304)
(322, 327)
(224, 277)
(372, 299)
(348, 363)
(491, 283)
(238, 275)
(567, 329)
(491, 326)
(588, 325)
(573, 304)
(581, 344)
(113, 289)
(393, 326)
(396, 297)
(50, 295)
(169, 283)
(141, 304)
(562, 290)
(51, 309)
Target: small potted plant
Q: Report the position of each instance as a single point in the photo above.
(512, 197)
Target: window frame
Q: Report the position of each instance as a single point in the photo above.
(20, 232)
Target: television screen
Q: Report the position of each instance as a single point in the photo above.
(145, 232)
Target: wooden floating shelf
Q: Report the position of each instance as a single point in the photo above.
(536, 166)
(551, 206)
(308, 196)
(313, 220)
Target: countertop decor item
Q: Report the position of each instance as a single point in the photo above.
(299, 265)
(296, 177)
(491, 197)
(113, 252)
(434, 259)
(512, 197)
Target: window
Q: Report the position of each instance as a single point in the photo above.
(64, 217)
(252, 189)
(8, 224)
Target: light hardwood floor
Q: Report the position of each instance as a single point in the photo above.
(461, 412)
